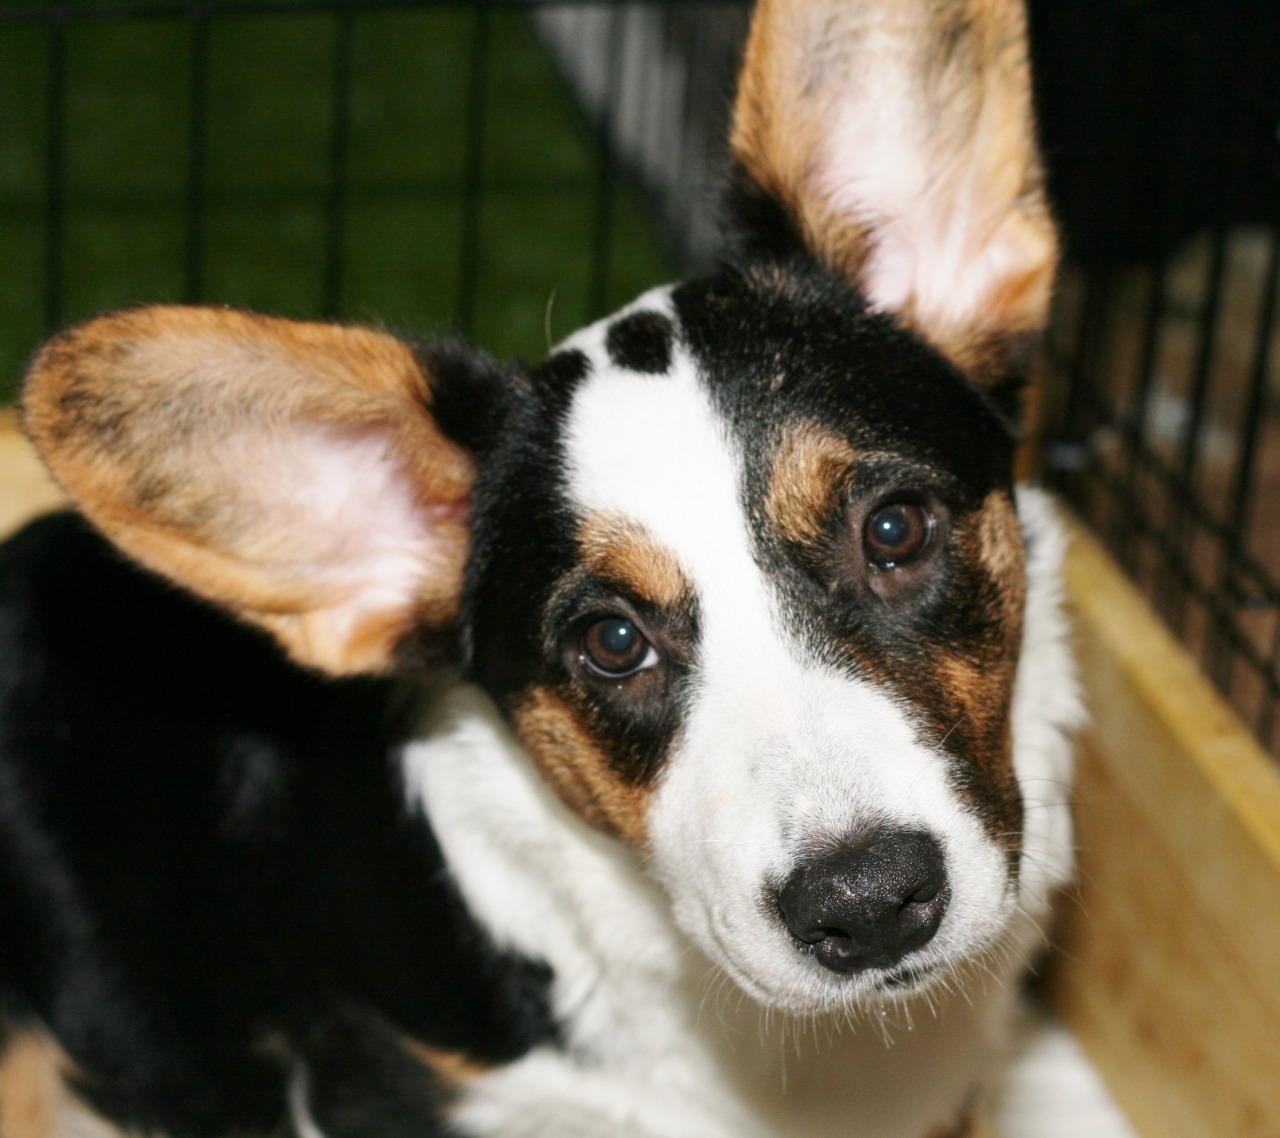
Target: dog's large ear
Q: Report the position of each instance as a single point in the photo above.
(293, 473)
(899, 136)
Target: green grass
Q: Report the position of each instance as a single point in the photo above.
(127, 106)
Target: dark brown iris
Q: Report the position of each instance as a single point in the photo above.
(614, 647)
(896, 534)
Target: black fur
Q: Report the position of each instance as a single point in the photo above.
(207, 864)
(525, 537)
(795, 344)
(641, 342)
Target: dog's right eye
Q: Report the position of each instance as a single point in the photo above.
(614, 647)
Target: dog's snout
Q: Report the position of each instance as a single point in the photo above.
(869, 906)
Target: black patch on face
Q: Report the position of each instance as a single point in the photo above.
(794, 346)
(524, 535)
(778, 345)
(522, 538)
(641, 342)
(525, 562)
(634, 720)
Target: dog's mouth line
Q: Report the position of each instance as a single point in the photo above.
(839, 991)
(907, 977)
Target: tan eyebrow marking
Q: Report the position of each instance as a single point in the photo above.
(625, 554)
(809, 475)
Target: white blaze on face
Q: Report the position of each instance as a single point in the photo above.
(778, 755)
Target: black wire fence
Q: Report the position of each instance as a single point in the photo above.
(512, 168)
(1162, 126)
(432, 163)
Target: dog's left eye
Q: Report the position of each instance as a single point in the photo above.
(897, 533)
(614, 647)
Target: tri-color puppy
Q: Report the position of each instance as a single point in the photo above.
(743, 814)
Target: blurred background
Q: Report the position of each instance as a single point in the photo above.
(510, 170)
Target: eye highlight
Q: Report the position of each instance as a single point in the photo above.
(614, 647)
(897, 533)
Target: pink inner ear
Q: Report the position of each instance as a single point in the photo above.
(336, 511)
(936, 247)
(944, 266)
(936, 174)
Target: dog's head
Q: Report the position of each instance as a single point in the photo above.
(741, 562)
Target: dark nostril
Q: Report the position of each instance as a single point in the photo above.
(870, 906)
(925, 893)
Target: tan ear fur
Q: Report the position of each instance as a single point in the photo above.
(899, 134)
(289, 471)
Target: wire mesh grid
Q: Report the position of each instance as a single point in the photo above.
(511, 169)
(436, 164)
(1163, 411)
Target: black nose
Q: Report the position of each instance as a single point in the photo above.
(870, 906)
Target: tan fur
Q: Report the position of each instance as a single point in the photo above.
(1000, 546)
(623, 553)
(163, 423)
(576, 767)
(31, 1086)
(35, 1101)
(809, 475)
(453, 1069)
(26, 490)
(945, 85)
(978, 689)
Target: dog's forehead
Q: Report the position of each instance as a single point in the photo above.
(690, 383)
(648, 443)
(775, 347)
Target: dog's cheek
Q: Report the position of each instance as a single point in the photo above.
(576, 766)
(976, 682)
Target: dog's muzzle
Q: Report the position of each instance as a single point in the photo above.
(869, 906)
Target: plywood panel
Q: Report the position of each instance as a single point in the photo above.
(1170, 974)
(25, 486)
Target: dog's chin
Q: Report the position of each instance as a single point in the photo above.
(785, 978)
(798, 985)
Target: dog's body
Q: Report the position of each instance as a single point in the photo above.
(765, 681)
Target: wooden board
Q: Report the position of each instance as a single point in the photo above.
(1170, 969)
(25, 486)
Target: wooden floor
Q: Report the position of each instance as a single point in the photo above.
(25, 487)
